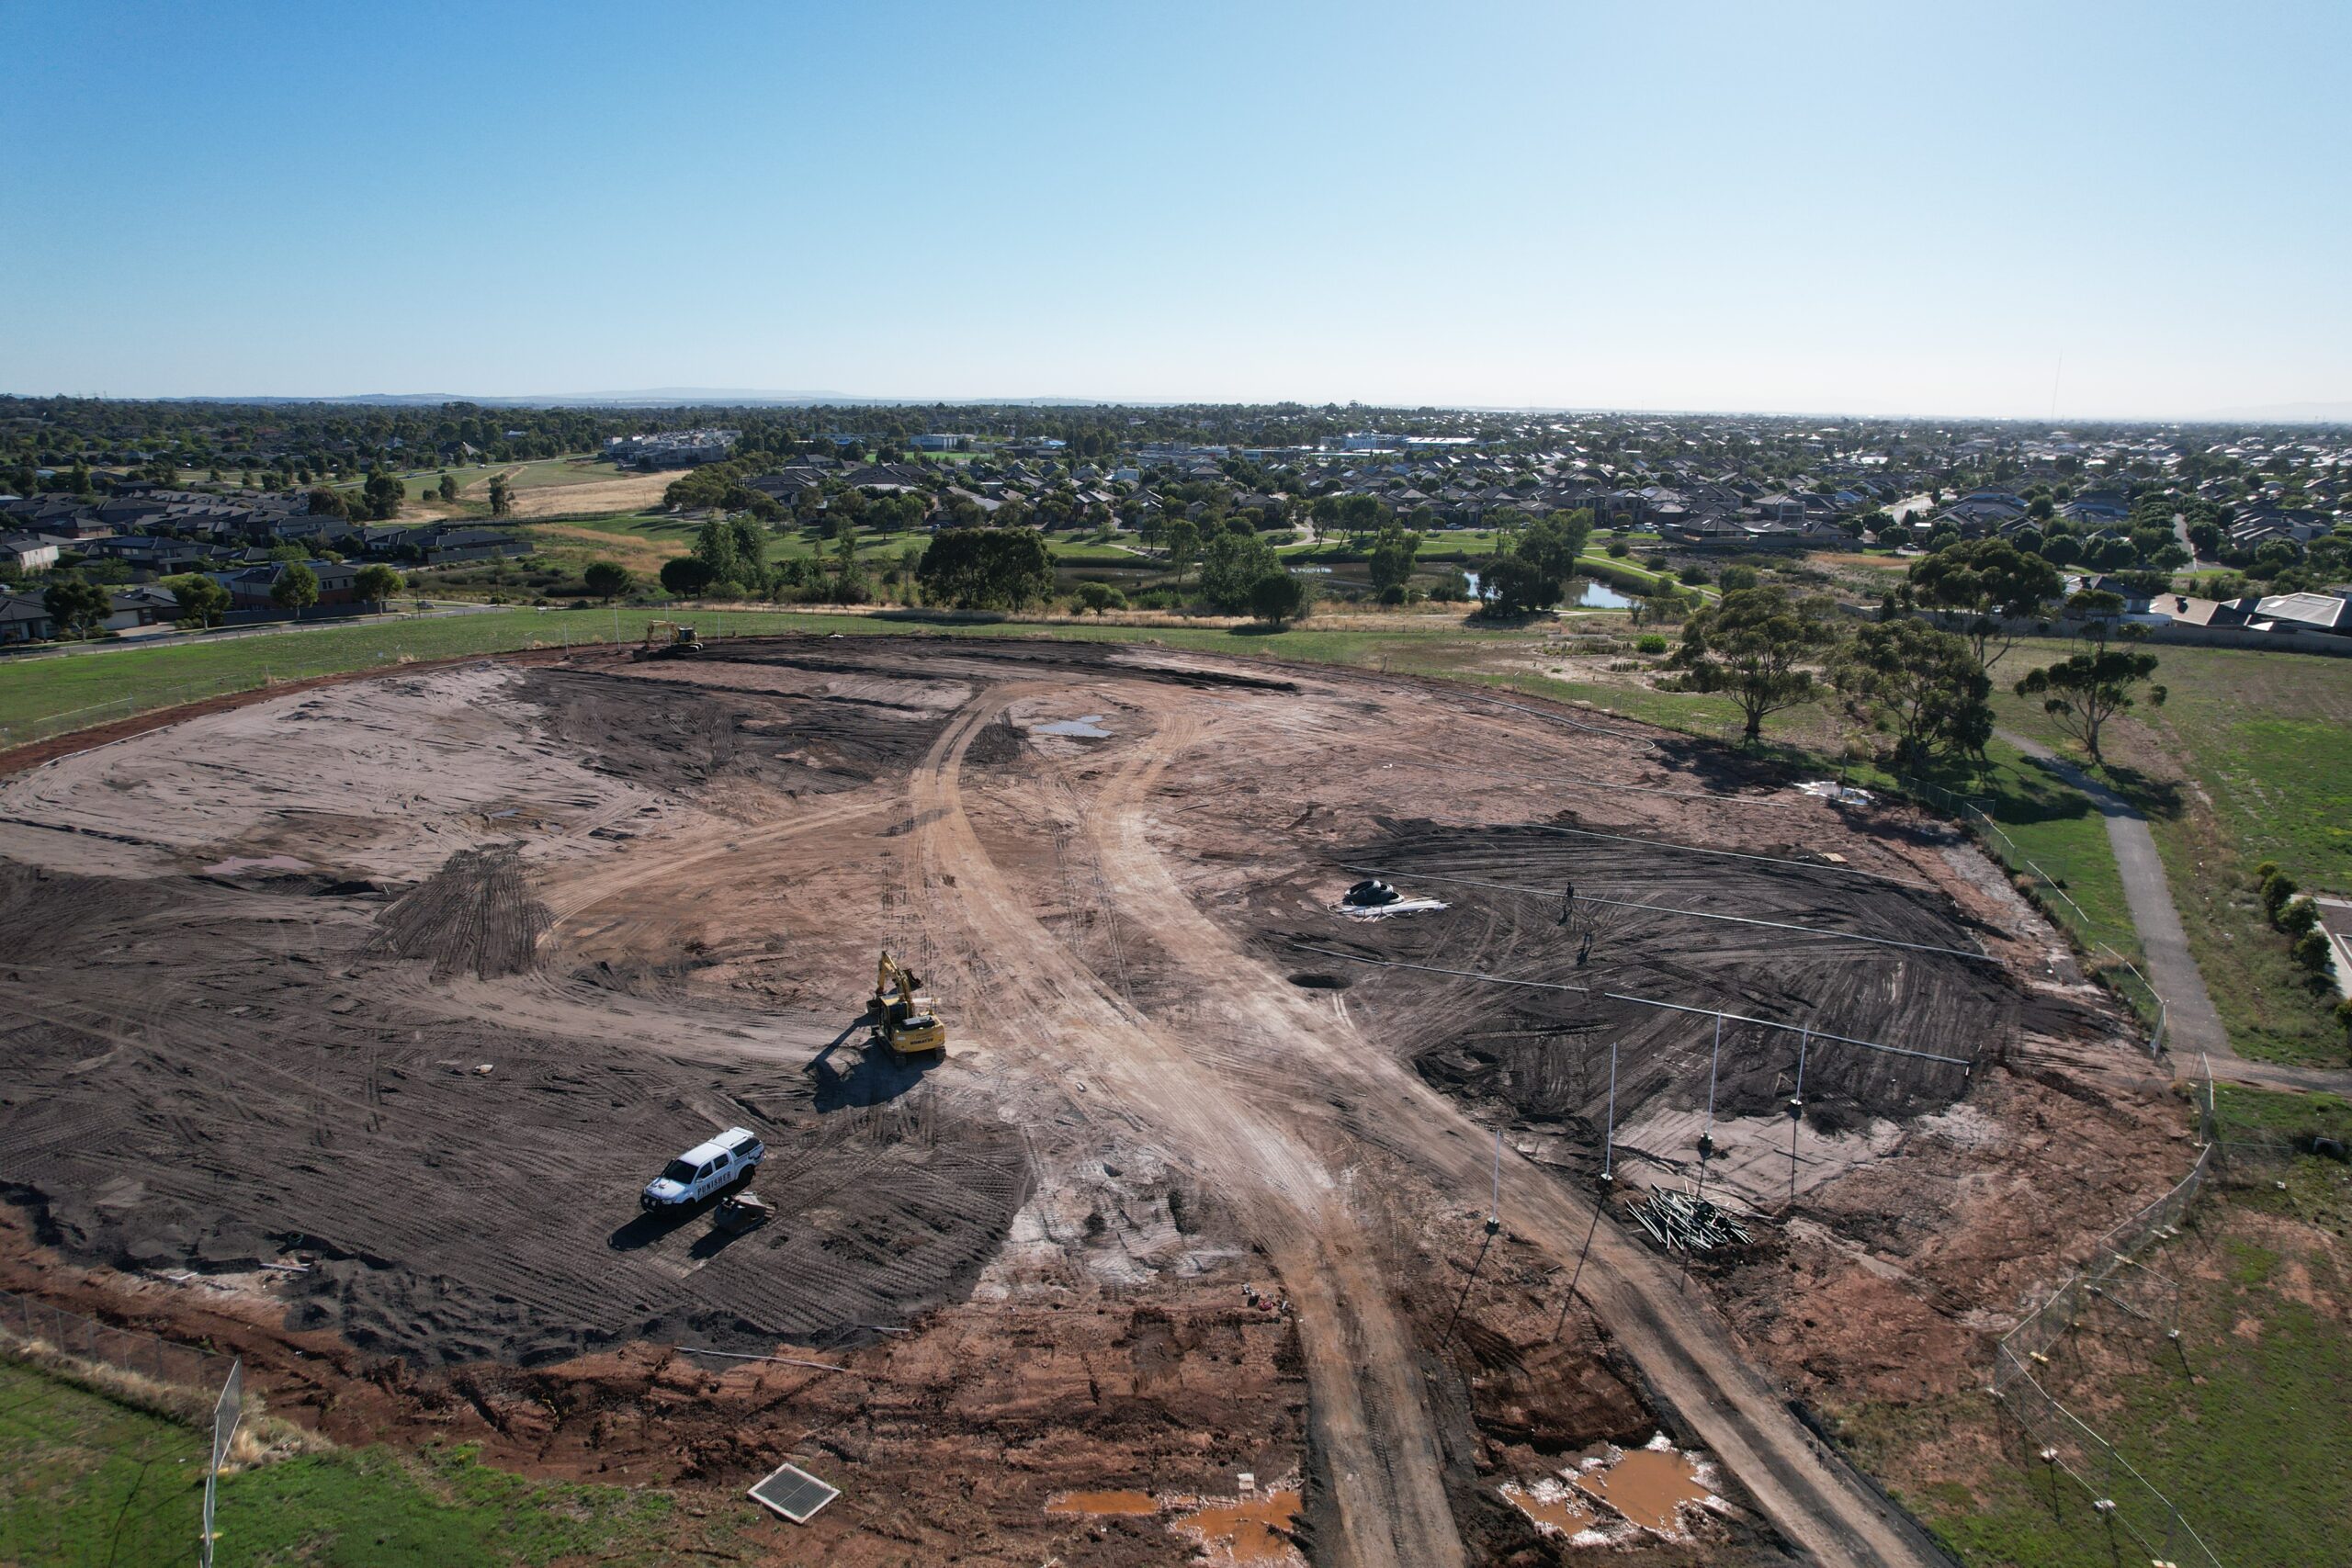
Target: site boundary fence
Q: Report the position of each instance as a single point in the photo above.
(2116, 1295)
(386, 642)
(47, 1334)
(226, 1411)
(77, 1337)
(2107, 967)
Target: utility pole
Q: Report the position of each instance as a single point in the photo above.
(1707, 1134)
(1796, 1110)
(1609, 1137)
(1494, 1224)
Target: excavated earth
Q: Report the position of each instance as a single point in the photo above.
(342, 1027)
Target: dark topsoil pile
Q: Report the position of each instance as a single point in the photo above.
(1544, 1052)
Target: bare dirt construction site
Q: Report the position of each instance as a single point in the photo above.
(344, 1027)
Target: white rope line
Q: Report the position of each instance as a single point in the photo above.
(1691, 914)
(1638, 1001)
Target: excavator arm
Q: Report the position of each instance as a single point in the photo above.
(904, 1022)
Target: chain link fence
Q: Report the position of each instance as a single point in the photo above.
(37, 1327)
(280, 655)
(226, 1411)
(146, 1369)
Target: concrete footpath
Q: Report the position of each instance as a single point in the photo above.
(2192, 1025)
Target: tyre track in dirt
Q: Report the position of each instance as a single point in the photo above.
(1684, 1349)
(1369, 1418)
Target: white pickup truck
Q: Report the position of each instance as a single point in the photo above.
(703, 1169)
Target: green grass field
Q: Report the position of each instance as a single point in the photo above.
(85, 1483)
(2249, 758)
(376, 1508)
(40, 696)
(2246, 1438)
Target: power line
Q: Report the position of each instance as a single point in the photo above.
(1637, 1001)
(1735, 854)
(1691, 914)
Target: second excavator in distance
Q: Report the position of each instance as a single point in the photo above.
(901, 1015)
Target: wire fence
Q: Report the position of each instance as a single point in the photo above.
(32, 1325)
(2121, 1302)
(226, 1411)
(2107, 965)
(133, 1363)
(381, 642)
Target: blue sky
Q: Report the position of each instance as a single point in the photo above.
(2139, 209)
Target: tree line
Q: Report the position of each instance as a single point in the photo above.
(1927, 681)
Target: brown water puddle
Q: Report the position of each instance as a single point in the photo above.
(1648, 1486)
(1104, 1505)
(1552, 1506)
(1247, 1533)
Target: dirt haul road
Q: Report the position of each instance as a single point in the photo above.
(351, 976)
(1369, 1414)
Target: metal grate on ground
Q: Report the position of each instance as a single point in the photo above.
(793, 1493)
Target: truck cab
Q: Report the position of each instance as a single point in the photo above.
(705, 1168)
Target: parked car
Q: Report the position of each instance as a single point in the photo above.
(703, 1169)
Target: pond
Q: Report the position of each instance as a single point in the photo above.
(1589, 593)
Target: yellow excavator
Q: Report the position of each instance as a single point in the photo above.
(901, 1015)
(668, 639)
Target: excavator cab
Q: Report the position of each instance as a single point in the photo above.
(668, 639)
(901, 1015)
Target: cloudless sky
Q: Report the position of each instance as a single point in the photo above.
(1875, 208)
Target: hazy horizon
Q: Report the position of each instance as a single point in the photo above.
(2020, 213)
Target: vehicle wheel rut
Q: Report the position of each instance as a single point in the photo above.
(1367, 1409)
(1683, 1348)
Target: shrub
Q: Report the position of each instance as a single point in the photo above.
(1649, 642)
(1098, 597)
(2314, 951)
(1620, 549)
(2299, 918)
(2277, 889)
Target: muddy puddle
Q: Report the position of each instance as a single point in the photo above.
(1649, 1487)
(1551, 1506)
(1611, 1494)
(1248, 1531)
